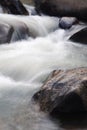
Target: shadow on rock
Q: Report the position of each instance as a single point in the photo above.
(80, 37)
(76, 121)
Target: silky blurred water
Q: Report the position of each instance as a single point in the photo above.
(25, 65)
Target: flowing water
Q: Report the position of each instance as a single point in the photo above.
(25, 65)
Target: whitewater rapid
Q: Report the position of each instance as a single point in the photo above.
(25, 65)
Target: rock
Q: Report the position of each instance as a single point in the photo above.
(80, 37)
(13, 28)
(67, 22)
(29, 2)
(21, 31)
(6, 33)
(65, 91)
(61, 8)
(13, 7)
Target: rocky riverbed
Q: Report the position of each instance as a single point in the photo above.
(44, 57)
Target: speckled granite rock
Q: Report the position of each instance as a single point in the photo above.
(65, 91)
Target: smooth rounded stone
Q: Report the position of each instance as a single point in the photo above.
(13, 7)
(65, 91)
(6, 33)
(80, 37)
(67, 22)
(21, 30)
(61, 8)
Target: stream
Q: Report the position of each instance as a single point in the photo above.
(26, 64)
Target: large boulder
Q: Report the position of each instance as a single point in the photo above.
(13, 7)
(80, 37)
(65, 91)
(72, 8)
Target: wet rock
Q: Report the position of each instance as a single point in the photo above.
(67, 22)
(13, 7)
(65, 91)
(21, 31)
(80, 37)
(60, 8)
(29, 2)
(13, 30)
(6, 33)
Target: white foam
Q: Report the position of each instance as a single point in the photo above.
(24, 65)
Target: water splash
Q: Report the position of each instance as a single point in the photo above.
(24, 66)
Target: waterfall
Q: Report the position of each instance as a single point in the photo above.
(25, 65)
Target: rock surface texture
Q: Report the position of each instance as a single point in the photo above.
(13, 7)
(65, 91)
(30, 2)
(60, 8)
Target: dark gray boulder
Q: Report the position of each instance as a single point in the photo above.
(13, 7)
(60, 8)
(80, 37)
(65, 91)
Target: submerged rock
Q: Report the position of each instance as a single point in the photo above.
(60, 8)
(65, 91)
(80, 37)
(21, 31)
(6, 32)
(67, 22)
(11, 31)
(13, 7)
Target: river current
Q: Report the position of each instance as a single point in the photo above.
(25, 65)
